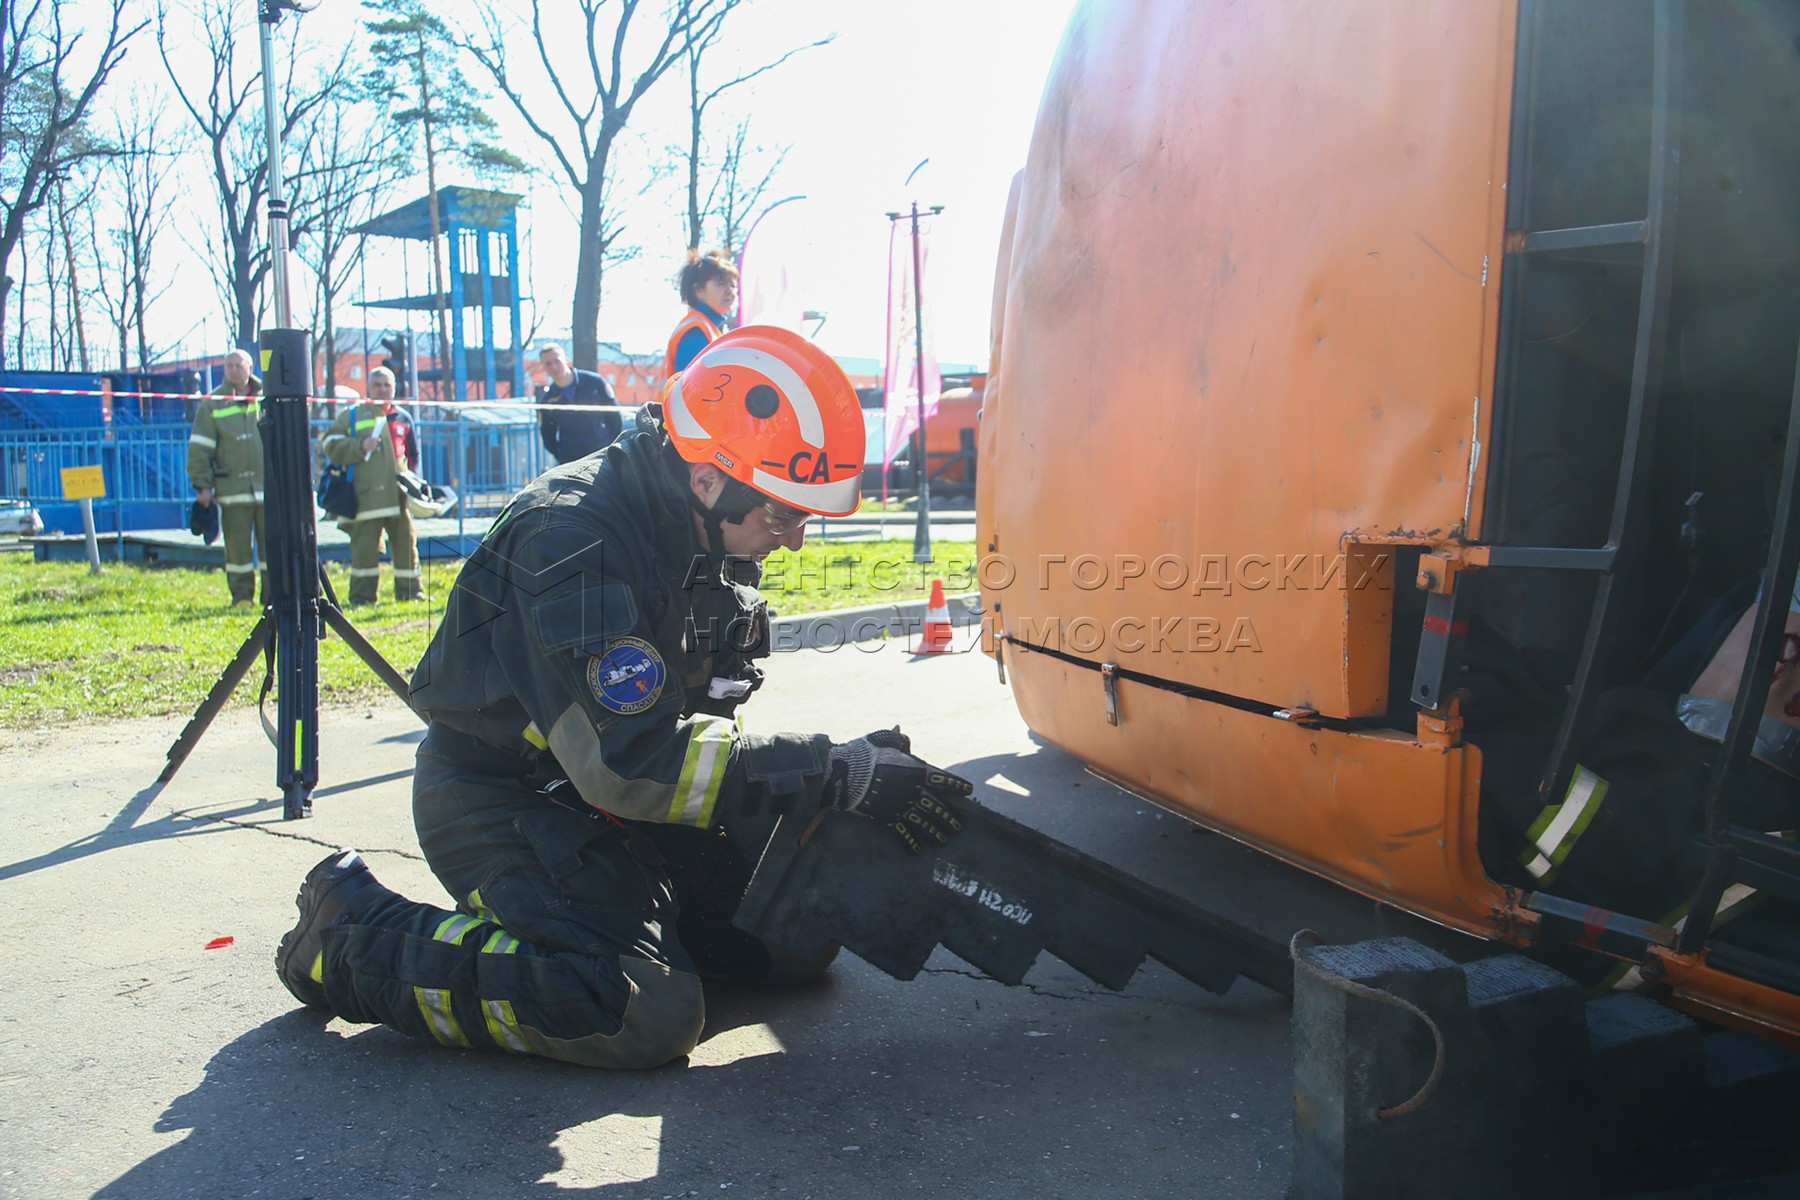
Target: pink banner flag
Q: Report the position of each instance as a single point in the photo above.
(904, 370)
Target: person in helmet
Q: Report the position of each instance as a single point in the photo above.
(708, 286)
(583, 790)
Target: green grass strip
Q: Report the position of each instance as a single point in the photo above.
(147, 640)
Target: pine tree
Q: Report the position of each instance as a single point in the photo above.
(433, 107)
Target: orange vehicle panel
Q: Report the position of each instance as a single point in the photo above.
(1245, 331)
(1184, 466)
(1699, 989)
(1389, 817)
(957, 412)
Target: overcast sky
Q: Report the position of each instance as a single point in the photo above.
(953, 81)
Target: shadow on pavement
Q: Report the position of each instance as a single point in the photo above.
(853, 1087)
(123, 831)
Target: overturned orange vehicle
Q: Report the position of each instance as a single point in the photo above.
(1389, 459)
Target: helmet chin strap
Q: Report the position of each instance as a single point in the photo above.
(735, 502)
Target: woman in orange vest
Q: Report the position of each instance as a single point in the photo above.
(709, 286)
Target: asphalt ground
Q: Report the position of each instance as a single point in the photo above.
(139, 1062)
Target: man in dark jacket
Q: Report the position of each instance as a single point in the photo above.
(583, 790)
(574, 432)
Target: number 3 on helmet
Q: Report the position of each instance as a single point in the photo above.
(773, 411)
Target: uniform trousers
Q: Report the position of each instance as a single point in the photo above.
(365, 557)
(575, 936)
(236, 523)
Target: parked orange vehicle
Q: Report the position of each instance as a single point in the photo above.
(1391, 422)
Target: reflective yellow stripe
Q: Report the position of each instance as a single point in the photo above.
(480, 906)
(434, 1003)
(454, 928)
(299, 727)
(235, 409)
(1556, 829)
(702, 772)
(498, 522)
(503, 1026)
(535, 737)
(500, 942)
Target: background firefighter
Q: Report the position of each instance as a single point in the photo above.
(225, 465)
(376, 440)
(584, 790)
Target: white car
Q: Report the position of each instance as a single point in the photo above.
(19, 519)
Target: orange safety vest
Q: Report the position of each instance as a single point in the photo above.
(695, 319)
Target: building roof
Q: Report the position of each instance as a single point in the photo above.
(502, 296)
(464, 206)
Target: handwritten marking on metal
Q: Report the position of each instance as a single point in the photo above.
(946, 875)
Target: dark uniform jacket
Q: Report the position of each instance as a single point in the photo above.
(570, 434)
(588, 639)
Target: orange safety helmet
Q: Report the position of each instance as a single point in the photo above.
(774, 412)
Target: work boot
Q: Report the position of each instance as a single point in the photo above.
(324, 892)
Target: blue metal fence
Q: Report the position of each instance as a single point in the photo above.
(145, 467)
(146, 479)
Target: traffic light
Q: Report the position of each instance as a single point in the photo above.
(399, 360)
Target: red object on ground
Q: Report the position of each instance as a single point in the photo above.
(934, 638)
(219, 943)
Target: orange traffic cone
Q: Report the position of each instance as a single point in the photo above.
(934, 638)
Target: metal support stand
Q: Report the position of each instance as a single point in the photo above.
(294, 609)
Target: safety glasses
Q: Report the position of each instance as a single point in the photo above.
(781, 520)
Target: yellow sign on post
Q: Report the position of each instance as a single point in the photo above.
(83, 483)
(87, 485)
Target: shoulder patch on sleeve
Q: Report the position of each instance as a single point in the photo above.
(629, 677)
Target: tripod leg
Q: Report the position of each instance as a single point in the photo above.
(258, 642)
(334, 617)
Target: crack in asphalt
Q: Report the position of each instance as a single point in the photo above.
(295, 835)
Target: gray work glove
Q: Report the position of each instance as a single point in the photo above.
(877, 777)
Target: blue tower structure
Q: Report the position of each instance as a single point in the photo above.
(482, 232)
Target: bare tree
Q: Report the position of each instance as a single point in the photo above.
(354, 166)
(731, 172)
(743, 178)
(75, 347)
(45, 99)
(594, 86)
(226, 109)
(135, 183)
(419, 77)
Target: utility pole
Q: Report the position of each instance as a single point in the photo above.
(922, 525)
